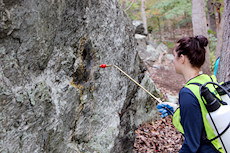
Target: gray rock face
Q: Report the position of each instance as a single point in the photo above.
(54, 97)
(150, 52)
(139, 27)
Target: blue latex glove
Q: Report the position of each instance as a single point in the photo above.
(162, 108)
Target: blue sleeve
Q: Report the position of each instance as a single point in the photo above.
(191, 120)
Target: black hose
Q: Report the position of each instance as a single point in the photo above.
(170, 112)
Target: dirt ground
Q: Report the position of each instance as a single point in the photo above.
(166, 78)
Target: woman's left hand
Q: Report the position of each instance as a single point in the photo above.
(166, 108)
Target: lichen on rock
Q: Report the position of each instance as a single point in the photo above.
(46, 44)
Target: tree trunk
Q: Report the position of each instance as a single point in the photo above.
(159, 28)
(219, 44)
(143, 15)
(224, 65)
(218, 6)
(187, 24)
(200, 28)
(211, 16)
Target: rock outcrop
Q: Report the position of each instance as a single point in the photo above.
(54, 97)
(150, 52)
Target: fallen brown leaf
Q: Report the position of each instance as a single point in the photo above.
(160, 137)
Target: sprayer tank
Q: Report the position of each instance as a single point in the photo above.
(221, 118)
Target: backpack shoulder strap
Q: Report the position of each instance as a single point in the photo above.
(198, 84)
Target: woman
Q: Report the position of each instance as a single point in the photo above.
(189, 56)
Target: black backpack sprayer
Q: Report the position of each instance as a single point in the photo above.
(218, 115)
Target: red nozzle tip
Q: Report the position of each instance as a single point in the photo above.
(103, 65)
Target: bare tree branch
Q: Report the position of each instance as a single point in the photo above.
(130, 5)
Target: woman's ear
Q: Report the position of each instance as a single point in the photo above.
(182, 59)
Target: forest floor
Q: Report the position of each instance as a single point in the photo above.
(165, 77)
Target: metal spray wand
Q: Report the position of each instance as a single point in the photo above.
(104, 66)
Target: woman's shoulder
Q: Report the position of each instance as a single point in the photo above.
(187, 96)
(186, 90)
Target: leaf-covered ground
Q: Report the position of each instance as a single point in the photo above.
(159, 136)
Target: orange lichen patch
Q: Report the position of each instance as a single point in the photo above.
(79, 86)
(83, 77)
(72, 83)
(82, 43)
